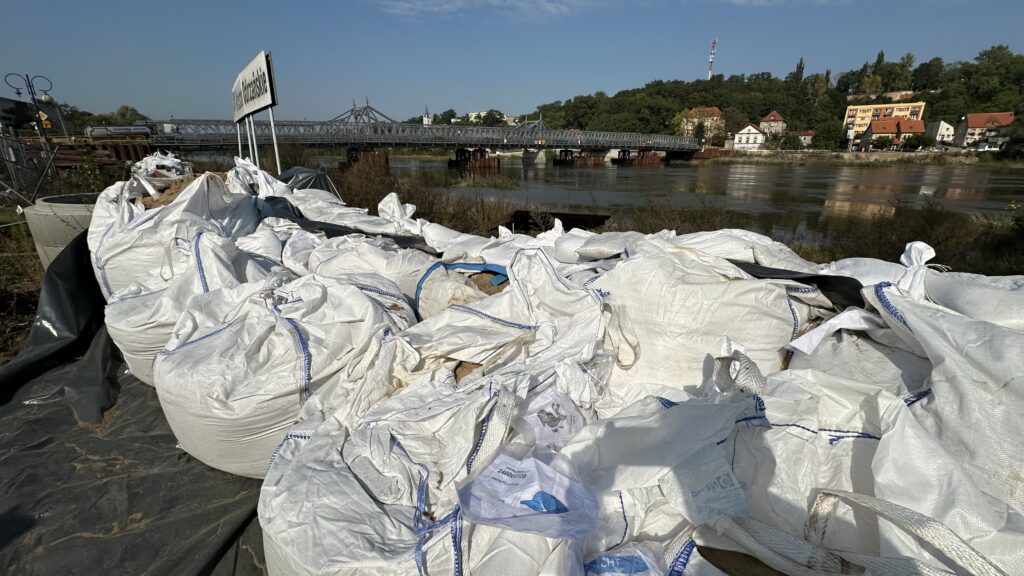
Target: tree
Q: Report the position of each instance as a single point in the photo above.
(882, 142)
(827, 135)
(700, 131)
(917, 141)
(797, 75)
(791, 142)
(734, 119)
(1014, 147)
(125, 116)
(445, 117)
(928, 75)
(492, 118)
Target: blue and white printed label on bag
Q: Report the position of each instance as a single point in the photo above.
(528, 495)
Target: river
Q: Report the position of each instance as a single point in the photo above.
(757, 188)
(804, 193)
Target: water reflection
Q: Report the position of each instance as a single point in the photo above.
(796, 195)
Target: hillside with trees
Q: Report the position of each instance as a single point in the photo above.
(992, 82)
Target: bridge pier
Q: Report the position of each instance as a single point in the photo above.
(475, 160)
(364, 156)
(570, 157)
(641, 157)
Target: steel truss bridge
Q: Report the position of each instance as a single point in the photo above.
(366, 127)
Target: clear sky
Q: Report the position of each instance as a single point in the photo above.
(180, 58)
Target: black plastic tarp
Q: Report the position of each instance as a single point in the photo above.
(91, 478)
(300, 178)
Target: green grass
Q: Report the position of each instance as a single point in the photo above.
(496, 181)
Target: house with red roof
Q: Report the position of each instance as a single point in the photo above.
(710, 116)
(805, 136)
(983, 128)
(897, 129)
(773, 123)
(750, 138)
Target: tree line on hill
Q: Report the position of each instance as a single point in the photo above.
(992, 82)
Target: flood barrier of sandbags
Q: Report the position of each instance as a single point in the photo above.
(573, 402)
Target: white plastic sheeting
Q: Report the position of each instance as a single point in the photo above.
(624, 399)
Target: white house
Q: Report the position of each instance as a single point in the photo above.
(750, 138)
(942, 131)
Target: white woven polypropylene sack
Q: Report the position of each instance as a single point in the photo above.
(430, 288)
(232, 384)
(995, 299)
(977, 384)
(132, 243)
(141, 318)
(672, 314)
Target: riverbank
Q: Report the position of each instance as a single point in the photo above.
(861, 159)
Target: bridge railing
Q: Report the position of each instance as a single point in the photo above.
(383, 134)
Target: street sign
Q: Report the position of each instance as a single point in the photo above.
(254, 87)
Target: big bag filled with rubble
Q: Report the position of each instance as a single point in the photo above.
(128, 240)
(242, 361)
(141, 317)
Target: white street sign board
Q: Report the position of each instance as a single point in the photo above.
(254, 87)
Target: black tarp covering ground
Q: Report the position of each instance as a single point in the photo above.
(88, 491)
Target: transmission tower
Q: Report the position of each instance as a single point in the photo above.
(711, 56)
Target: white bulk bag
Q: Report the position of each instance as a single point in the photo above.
(977, 384)
(995, 299)
(231, 385)
(746, 246)
(322, 206)
(669, 315)
(141, 317)
(811, 431)
(383, 498)
(909, 273)
(426, 282)
(246, 178)
(134, 242)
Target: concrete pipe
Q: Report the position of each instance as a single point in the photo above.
(56, 220)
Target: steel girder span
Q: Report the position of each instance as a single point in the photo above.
(221, 134)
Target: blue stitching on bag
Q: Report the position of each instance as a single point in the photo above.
(199, 262)
(802, 289)
(200, 339)
(307, 358)
(666, 403)
(889, 307)
(287, 437)
(793, 426)
(457, 540)
(915, 398)
(625, 528)
(365, 288)
(682, 558)
(495, 319)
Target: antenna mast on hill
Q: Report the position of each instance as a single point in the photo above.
(711, 56)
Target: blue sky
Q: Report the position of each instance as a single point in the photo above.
(180, 58)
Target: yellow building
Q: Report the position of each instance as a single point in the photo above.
(858, 118)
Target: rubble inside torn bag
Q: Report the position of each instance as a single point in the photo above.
(613, 403)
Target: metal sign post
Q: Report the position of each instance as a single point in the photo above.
(273, 134)
(255, 143)
(248, 138)
(238, 130)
